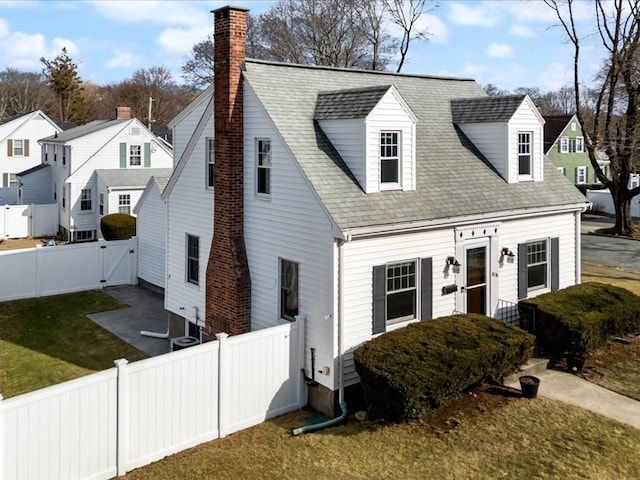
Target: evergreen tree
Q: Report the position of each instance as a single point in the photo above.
(66, 86)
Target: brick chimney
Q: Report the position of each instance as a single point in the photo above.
(123, 113)
(228, 293)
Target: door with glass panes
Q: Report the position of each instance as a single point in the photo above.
(476, 267)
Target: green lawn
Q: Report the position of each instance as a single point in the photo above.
(522, 439)
(48, 340)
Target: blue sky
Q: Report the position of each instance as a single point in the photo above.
(507, 43)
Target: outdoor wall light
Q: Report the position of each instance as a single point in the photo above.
(507, 253)
(452, 261)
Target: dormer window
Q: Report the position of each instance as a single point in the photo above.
(524, 154)
(389, 159)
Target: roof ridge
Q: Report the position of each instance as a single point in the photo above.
(356, 70)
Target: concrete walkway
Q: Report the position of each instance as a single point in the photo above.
(145, 311)
(574, 390)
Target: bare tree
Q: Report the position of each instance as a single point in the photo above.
(616, 122)
(406, 14)
(22, 92)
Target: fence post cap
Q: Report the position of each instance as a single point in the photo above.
(121, 362)
(222, 336)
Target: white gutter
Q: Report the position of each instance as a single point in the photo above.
(457, 221)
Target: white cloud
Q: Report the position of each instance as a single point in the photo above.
(473, 70)
(439, 33)
(59, 43)
(480, 14)
(154, 11)
(122, 59)
(554, 76)
(176, 41)
(499, 50)
(4, 28)
(522, 31)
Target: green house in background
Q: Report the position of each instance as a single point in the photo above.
(564, 146)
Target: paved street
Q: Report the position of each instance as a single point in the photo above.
(603, 250)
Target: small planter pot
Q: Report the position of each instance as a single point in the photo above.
(575, 363)
(529, 386)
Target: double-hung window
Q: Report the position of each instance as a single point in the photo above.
(193, 259)
(124, 204)
(579, 144)
(135, 155)
(13, 180)
(288, 289)
(524, 153)
(55, 153)
(101, 204)
(64, 196)
(210, 159)
(389, 158)
(537, 265)
(263, 166)
(563, 144)
(18, 148)
(401, 293)
(581, 175)
(85, 199)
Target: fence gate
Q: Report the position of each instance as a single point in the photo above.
(118, 263)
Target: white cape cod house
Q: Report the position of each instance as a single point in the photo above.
(360, 200)
(93, 170)
(19, 150)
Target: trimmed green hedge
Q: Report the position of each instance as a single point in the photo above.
(408, 371)
(118, 226)
(581, 318)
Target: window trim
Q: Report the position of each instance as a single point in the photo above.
(397, 158)
(126, 206)
(415, 288)
(563, 145)
(136, 155)
(529, 154)
(266, 168)
(86, 204)
(281, 289)
(192, 264)
(15, 148)
(579, 141)
(582, 171)
(547, 263)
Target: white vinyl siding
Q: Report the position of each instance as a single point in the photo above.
(362, 255)
(491, 139)
(526, 120)
(29, 127)
(182, 298)
(151, 230)
(390, 116)
(304, 235)
(348, 138)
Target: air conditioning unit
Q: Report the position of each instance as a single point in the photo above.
(180, 343)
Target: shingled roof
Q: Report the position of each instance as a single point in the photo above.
(453, 179)
(554, 125)
(82, 130)
(130, 177)
(352, 103)
(485, 109)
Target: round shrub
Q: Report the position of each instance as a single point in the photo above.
(118, 226)
(408, 371)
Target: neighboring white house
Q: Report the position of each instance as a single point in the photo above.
(19, 149)
(361, 200)
(119, 190)
(71, 159)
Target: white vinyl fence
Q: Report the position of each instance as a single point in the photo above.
(603, 202)
(108, 423)
(19, 221)
(37, 272)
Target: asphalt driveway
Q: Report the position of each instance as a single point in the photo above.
(620, 253)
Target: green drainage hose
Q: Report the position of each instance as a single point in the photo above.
(321, 426)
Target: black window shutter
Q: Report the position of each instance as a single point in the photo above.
(379, 299)
(426, 285)
(523, 283)
(555, 261)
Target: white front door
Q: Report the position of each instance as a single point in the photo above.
(477, 274)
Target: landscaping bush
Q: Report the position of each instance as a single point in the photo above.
(118, 226)
(578, 319)
(408, 371)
